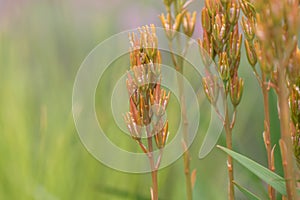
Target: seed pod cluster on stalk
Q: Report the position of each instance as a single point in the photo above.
(271, 29)
(221, 43)
(179, 19)
(254, 56)
(147, 99)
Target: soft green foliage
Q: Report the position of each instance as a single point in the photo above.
(276, 181)
(246, 192)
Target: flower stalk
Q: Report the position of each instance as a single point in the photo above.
(221, 43)
(253, 53)
(147, 100)
(274, 44)
(177, 19)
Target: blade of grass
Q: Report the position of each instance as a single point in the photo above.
(276, 181)
(246, 192)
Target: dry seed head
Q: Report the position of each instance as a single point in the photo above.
(145, 65)
(143, 85)
(222, 41)
(276, 28)
(143, 49)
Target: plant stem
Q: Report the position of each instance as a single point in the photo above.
(186, 156)
(152, 165)
(154, 184)
(228, 131)
(178, 64)
(267, 135)
(286, 147)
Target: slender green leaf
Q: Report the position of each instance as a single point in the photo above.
(246, 192)
(196, 190)
(276, 181)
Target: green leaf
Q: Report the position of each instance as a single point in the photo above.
(276, 181)
(197, 190)
(246, 192)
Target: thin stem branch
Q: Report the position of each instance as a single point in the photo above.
(286, 142)
(143, 147)
(152, 165)
(159, 159)
(270, 84)
(228, 131)
(178, 64)
(260, 82)
(267, 135)
(233, 119)
(186, 156)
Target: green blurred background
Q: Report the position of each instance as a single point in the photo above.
(42, 44)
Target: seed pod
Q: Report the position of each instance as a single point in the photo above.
(134, 129)
(171, 29)
(159, 100)
(206, 21)
(219, 27)
(161, 136)
(211, 88)
(247, 8)
(207, 44)
(235, 43)
(233, 12)
(224, 68)
(248, 28)
(135, 113)
(250, 52)
(189, 23)
(236, 90)
(177, 22)
(166, 23)
(210, 8)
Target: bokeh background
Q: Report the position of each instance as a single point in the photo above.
(42, 44)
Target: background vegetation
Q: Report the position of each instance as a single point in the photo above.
(42, 44)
